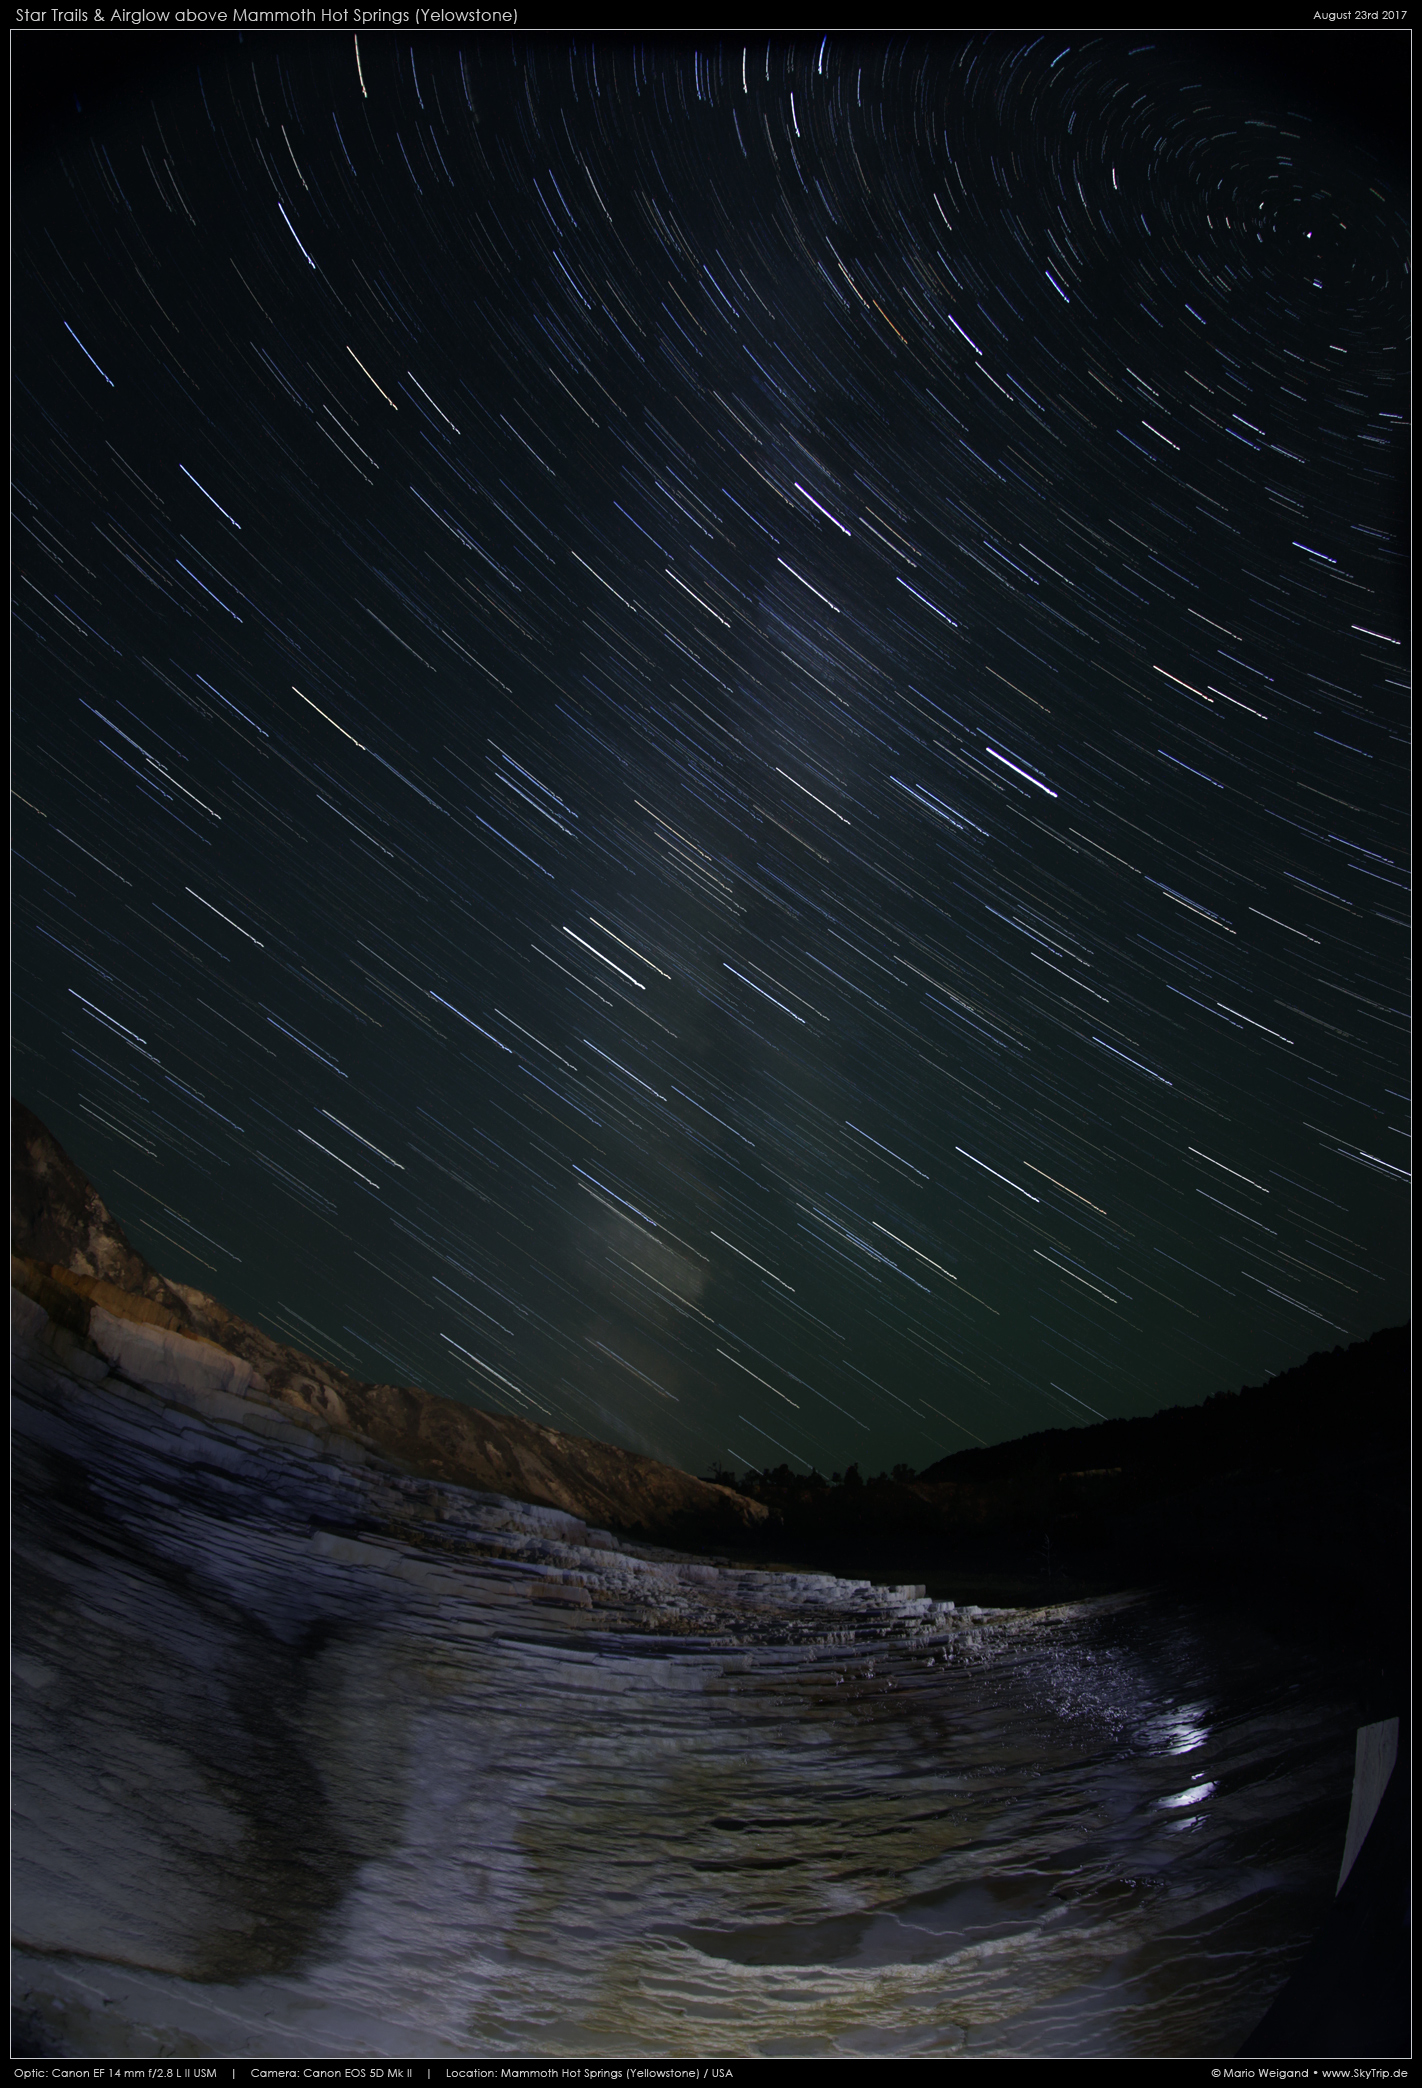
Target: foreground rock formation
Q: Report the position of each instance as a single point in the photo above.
(322, 1752)
(71, 1256)
(234, 1618)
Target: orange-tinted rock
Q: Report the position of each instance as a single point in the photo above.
(58, 1217)
(70, 1253)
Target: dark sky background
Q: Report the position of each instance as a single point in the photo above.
(710, 740)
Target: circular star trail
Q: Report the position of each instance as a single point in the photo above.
(710, 737)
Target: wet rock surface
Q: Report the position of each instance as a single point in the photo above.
(316, 1756)
(233, 1618)
(349, 1721)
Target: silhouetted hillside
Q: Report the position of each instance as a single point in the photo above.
(1294, 1493)
(1328, 1407)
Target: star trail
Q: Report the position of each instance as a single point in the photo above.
(710, 738)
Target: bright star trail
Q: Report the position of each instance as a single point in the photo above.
(712, 737)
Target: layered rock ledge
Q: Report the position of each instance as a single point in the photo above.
(140, 1407)
(318, 1684)
(239, 1624)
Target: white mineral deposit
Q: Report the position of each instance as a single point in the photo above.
(316, 1757)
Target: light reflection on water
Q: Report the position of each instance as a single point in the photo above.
(1112, 1834)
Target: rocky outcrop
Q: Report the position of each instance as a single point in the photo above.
(317, 1758)
(274, 1693)
(58, 1216)
(163, 1405)
(444, 1439)
(70, 1256)
(319, 1753)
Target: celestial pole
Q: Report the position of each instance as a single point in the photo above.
(711, 736)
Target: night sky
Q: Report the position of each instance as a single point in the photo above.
(710, 742)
